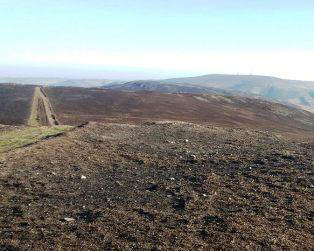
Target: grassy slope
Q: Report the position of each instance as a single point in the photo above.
(32, 121)
(21, 137)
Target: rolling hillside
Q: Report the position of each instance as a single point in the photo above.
(164, 87)
(76, 105)
(300, 93)
(292, 92)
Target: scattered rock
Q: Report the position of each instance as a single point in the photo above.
(76, 168)
(83, 125)
(23, 224)
(179, 203)
(287, 155)
(119, 183)
(259, 162)
(68, 219)
(89, 216)
(203, 233)
(127, 237)
(140, 161)
(193, 179)
(145, 214)
(217, 221)
(192, 158)
(16, 211)
(152, 187)
(167, 197)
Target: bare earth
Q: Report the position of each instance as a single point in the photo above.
(158, 186)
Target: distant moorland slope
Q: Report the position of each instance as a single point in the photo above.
(164, 87)
(294, 92)
(15, 103)
(76, 105)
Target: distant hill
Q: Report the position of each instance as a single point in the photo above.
(299, 93)
(291, 92)
(164, 87)
(60, 82)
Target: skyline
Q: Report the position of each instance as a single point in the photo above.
(160, 39)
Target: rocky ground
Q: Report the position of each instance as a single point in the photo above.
(158, 186)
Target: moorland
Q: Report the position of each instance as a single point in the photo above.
(125, 170)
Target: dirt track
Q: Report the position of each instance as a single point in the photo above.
(41, 111)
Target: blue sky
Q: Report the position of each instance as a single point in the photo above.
(157, 38)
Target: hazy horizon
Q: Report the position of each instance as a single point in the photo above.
(156, 39)
(170, 76)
